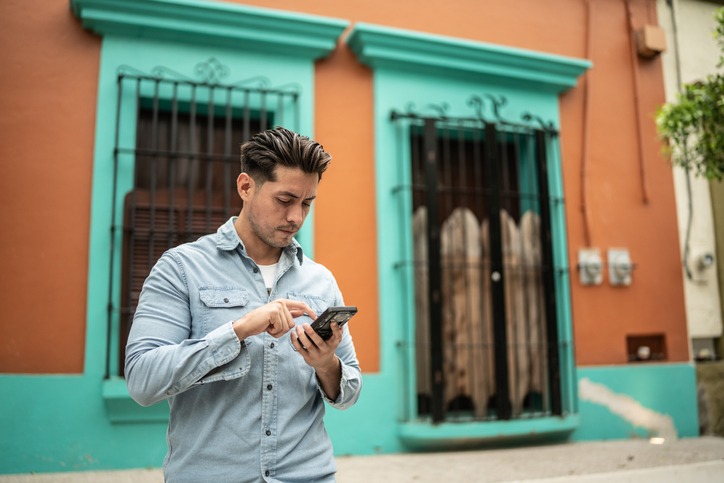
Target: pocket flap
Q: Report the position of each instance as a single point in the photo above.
(224, 297)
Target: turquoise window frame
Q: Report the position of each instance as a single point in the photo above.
(415, 70)
(178, 35)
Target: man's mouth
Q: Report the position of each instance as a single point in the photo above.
(288, 231)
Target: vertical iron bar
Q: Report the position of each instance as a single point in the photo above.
(154, 168)
(227, 159)
(542, 341)
(485, 345)
(549, 291)
(262, 115)
(497, 274)
(113, 229)
(245, 134)
(472, 371)
(278, 117)
(421, 350)
(448, 266)
(434, 279)
(132, 227)
(510, 270)
(172, 168)
(209, 159)
(192, 159)
(296, 112)
(526, 275)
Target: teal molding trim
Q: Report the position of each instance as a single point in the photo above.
(379, 46)
(216, 23)
(426, 436)
(123, 409)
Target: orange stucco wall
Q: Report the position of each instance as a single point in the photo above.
(48, 95)
(47, 124)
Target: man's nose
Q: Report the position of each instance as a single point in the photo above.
(295, 215)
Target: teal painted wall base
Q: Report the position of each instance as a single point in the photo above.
(64, 423)
(61, 423)
(640, 397)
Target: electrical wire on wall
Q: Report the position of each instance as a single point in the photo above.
(635, 78)
(587, 89)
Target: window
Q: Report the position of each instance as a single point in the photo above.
(247, 43)
(480, 229)
(467, 379)
(178, 182)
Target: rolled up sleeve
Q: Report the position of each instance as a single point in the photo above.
(161, 360)
(350, 385)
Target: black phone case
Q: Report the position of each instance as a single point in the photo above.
(341, 315)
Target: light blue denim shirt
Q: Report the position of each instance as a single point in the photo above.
(241, 411)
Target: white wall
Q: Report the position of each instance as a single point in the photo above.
(698, 56)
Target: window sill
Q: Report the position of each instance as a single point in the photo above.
(122, 408)
(427, 436)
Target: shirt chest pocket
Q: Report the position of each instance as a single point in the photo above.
(221, 305)
(318, 304)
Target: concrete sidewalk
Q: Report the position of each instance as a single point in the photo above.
(699, 460)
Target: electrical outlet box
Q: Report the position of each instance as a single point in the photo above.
(590, 266)
(619, 266)
(650, 41)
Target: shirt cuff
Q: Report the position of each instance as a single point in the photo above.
(342, 385)
(230, 357)
(224, 343)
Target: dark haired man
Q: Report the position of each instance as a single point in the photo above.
(246, 402)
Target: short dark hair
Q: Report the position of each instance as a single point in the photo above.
(265, 151)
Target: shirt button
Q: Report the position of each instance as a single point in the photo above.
(269, 387)
(271, 345)
(268, 433)
(256, 270)
(266, 473)
(226, 301)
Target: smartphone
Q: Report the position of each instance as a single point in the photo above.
(333, 314)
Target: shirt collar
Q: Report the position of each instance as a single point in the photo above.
(227, 239)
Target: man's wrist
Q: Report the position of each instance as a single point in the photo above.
(238, 327)
(333, 365)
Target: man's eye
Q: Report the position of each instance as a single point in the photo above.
(284, 202)
(307, 204)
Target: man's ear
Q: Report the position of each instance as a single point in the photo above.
(245, 186)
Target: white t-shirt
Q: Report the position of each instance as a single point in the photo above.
(269, 272)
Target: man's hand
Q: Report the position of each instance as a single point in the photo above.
(275, 318)
(319, 354)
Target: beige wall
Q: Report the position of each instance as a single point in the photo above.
(698, 57)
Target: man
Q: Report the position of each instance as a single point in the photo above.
(222, 331)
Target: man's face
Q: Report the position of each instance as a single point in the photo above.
(276, 210)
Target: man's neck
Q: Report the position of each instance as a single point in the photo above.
(256, 249)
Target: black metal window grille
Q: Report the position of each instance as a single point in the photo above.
(486, 341)
(175, 173)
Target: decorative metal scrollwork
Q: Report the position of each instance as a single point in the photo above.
(161, 72)
(441, 109)
(546, 126)
(478, 104)
(498, 102)
(211, 73)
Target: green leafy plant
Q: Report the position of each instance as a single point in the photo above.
(693, 125)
